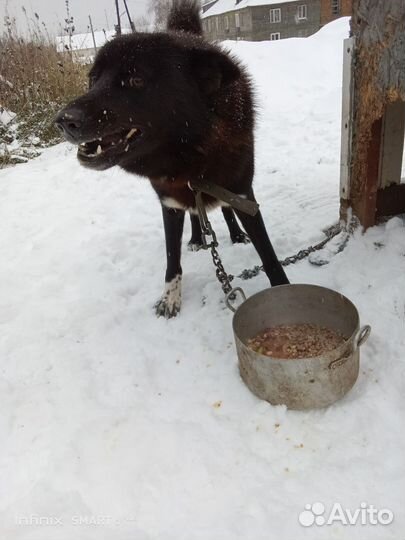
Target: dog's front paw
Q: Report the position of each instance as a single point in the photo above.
(166, 309)
(240, 238)
(170, 303)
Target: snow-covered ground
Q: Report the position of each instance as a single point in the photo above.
(115, 424)
(12, 149)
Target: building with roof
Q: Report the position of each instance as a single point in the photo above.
(206, 4)
(259, 20)
(81, 46)
(333, 9)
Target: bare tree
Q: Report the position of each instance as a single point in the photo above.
(159, 10)
(144, 23)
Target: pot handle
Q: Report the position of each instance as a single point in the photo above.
(360, 338)
(231, 296)
(362, 335)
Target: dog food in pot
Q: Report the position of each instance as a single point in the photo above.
(291, 341)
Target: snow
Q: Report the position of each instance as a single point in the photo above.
(85, 41)
(223, 6)
(6, 116)
(116, 424)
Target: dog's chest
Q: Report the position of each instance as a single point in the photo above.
(174, 192)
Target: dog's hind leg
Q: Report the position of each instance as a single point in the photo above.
(236, 233)
(169, 305)
(195, 242)
(256, 230)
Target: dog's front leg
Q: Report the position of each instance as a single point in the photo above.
(256, 230)
(170, 303)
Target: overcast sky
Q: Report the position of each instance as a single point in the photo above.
(53, 12)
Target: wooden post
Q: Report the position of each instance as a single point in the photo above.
(131, 22)
(347, 115)
(118, 25)
(377, 112)
(94, 39)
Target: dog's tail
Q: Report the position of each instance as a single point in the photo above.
(184, 15)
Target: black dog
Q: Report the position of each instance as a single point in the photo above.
(173, 108)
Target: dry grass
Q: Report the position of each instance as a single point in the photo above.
(36, 80)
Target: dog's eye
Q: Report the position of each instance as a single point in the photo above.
(136, 82)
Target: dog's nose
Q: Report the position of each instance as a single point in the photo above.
(70, 122)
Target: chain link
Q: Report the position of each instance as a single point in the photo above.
(304, 253)
(330, 233)
(207, 231)
(224, 278)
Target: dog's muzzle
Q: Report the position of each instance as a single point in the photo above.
(70, 123)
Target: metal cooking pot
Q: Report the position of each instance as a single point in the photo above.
(305, 383)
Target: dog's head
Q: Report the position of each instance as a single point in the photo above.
(149, 94)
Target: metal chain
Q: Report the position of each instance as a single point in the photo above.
(330, 233)
(223, 277)
(304, 253)
(207, 231)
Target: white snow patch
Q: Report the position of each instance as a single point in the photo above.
(223, 6)
(6, 116)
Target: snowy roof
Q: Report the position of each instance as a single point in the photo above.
(222, 6)
(85, 41)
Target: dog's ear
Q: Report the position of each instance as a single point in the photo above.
(213, 69)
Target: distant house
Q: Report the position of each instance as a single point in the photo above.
(259, 20)
(206, 4)
(333, 9)
(82, 46)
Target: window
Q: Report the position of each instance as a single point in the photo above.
(302, 12)
(335, 7)
(237, 21)
(275, 36)
(275, 15)
(226, 20)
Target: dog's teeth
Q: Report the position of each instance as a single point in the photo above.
(126, 148)
(130, 133)
(99, 149)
